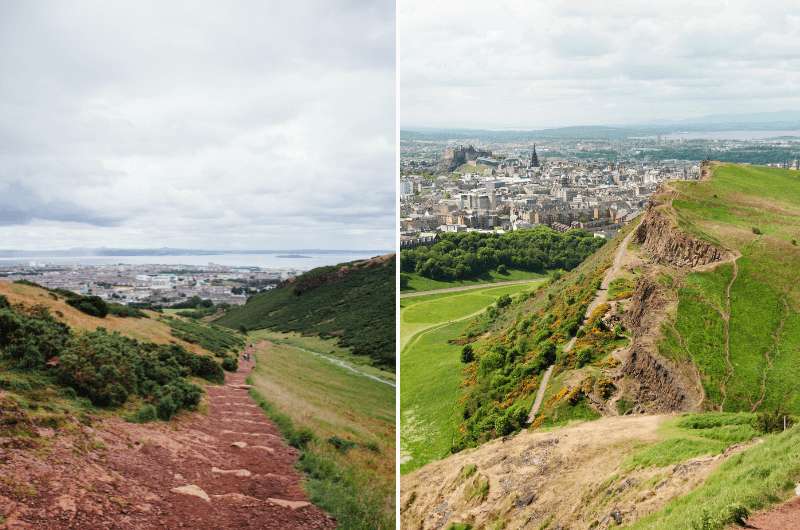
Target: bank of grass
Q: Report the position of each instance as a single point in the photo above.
(327, 347)
(431, 368)
(343, 424)
(416, 282)
(755, 211)
(694, 435)
(754, 479)
(216, 339)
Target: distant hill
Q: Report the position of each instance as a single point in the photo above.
(352, 301)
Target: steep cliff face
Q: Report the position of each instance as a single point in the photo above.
(661, 385)
(667, 245)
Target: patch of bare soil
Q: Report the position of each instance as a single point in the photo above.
(229, 468)
(783, 517)
(573, 477)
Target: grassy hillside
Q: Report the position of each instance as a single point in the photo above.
(42, 353)
(431, 367)
(354, 302)
(725, 336)
(350, 459)
(754, 212)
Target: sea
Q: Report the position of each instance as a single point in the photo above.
(289, 260)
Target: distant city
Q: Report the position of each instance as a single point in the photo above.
(133, 277)
(500, 181)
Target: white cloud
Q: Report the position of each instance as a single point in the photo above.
(560, 62)
(220, 125)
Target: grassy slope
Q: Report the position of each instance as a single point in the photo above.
(765, 296)
(359, 308)
(431, 368)
(331, 401)
(421, 283)
(143, 329)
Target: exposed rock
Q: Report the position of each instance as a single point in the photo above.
(666, 244)
(294, 505)
(243, 473)
(192, 490)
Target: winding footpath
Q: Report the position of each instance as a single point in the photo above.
(600, 297)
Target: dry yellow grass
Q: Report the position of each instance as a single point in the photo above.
(143, 329)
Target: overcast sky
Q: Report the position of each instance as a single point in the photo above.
(237, 124)
(532, 64)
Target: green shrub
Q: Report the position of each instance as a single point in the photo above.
(341, 444)
(125, 311)
(774, 421)
(230, 364)
(145, 414)
(300, 438)
(91, 305)
(166, 408)
(467, 354)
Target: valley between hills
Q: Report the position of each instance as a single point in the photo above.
(666, 363)
(269, 415)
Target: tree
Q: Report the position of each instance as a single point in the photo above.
(467, 355)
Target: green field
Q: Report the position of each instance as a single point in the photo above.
(431, 368)
(417, 282)
(755, 211)
(355, 484)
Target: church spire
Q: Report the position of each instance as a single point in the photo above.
(534, 157)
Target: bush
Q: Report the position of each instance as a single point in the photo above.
(467, 355)
(342, 445)
(145, 414)
(91, 305)
(230, 364)
(300, 438)
(503, 301)
(502, 269)
(166, 408)
(757, 231)
(773, 421)
(125, 311)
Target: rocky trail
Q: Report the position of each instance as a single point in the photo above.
(229, 468)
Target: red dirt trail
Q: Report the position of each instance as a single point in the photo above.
(785, 516)
(117, 475)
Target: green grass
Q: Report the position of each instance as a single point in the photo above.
(417, 282)
(216, 339)
(305, 393)
(431, 368)
(694, 435)
(354, 304)
(764, 318)
(756, 478)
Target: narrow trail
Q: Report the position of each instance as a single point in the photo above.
(776, 337)
(540, 394)
(600, 297)
(726, 323)
(343, 364)
(414, 294)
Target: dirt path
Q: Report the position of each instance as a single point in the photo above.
(785, 516)
(229, 468)
(600, 297)
(540, 394)
(468, 287)
(726, 323)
